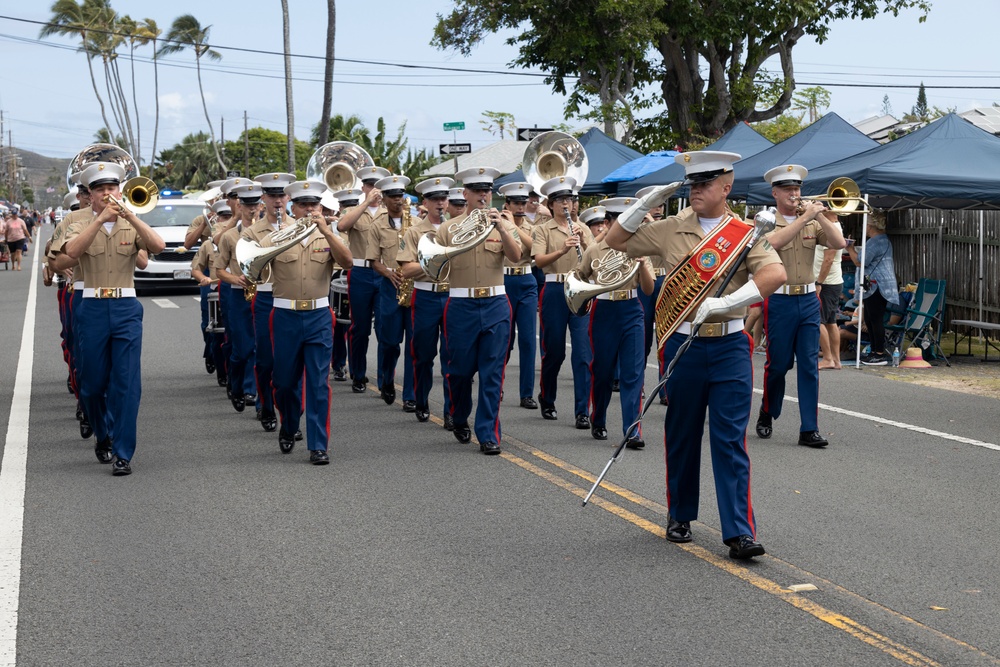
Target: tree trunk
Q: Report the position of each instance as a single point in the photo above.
(290, 112)
(156, 92)
(93, 81)
(331, 33)
(135, 105)
(114, 109)
(204, 106)
(126, 114)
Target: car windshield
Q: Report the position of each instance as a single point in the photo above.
(169, 215)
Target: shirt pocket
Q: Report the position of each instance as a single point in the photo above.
(809, 242)
(96, 249)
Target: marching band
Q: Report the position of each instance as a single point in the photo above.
(289, 301)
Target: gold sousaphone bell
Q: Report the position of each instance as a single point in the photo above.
(843, 197)
(551, 155)
(337, 163)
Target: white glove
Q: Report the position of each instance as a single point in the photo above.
(742, 297)
(632, 217)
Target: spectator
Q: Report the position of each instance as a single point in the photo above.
(879, 287)
(830, 280)
(17, 239)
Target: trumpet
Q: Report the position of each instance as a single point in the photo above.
(843, 196)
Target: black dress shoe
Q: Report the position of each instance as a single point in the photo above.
(319, 457)
(250, 399)
(260, 414)
(599, 432)
(388, 394)
(743, 547)
(269, 421)
(635, 443)
(360, 385)
(664, 401)
(409, 406)
(339, 374)
(121, 467)
(463, 433)
(678, 531)
(529, 403)
(806, 439)
(422, 415)
(489, 448)
(85, 430)
(209, 365)
(237, 401)
(103, 451)
(220, 378)
(449, 423)
(69, 384)
(582, 422)
(298, 435)
(764, 421)
(285, 442)
(549, 413)
(615, 385)
(79, 413)
(229, 392)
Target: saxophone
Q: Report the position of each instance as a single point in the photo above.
(404, 293)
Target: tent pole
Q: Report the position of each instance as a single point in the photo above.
(981, 214)
(859, 289)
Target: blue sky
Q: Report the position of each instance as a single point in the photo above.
(47, 99)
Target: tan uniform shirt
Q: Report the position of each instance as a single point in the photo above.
(408, 244)
(384, 239)
(674, 237)
(303, 271)
(61, 234)
(226, 259)
(600, 250)
(799, 254)
(204, 260)
(357, 236)
(523, 230)
(481, 266)
(548, 237)
(197, 222)
(110, 260)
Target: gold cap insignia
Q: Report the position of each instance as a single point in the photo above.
(437, 181)
(687, 158)
(788, 168)
(305, 186)
(100, 167)
(628, 201)
(481, 170)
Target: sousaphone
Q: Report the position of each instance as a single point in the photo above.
(551, 155)
(336, 164)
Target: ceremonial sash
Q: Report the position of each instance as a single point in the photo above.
(691, 281)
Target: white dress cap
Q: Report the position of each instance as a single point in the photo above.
(275, 182)
(478, 178)
(348, 195)
(249, 193)
(372, 173)
(329, 201)
(392, 184)
(221, 207)
(560, 185)
(592, 215)
(305, 190)
(519, 190)
(435, 186)
(97, 173)
(705, 166)
(617, 204)
(786, 174)
(456, 194)
(228, 185)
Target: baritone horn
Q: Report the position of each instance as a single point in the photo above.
(337, 163)
(613, 270)
(551, 155)
(139, 195)
(843, 196)
(466, 233)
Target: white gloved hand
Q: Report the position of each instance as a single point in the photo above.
(742, 297)
(633, 215)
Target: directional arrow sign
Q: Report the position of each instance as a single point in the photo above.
(455, 149)
(459, 125)
(529, 133)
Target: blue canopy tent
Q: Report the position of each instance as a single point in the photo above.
(604, 155)
(742, 139)
(828, 139)
(639, 167)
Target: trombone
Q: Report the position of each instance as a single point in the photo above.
(843, 197)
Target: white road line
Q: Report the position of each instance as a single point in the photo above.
(165, 303)
(197, 298)
(12, 479)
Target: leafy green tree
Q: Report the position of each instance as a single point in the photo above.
(385, 150)
(780, 128)
(187, 32)
(920, 110)
(340, 128)
(268, 152)
(813, 101)
(707, 57)
(498, 122)
(148, 32)
(886, 106)
(188, 165)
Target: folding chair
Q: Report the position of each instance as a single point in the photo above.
(922, 322)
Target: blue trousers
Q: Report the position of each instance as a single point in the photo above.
(110, 333)
(396, 327)
(714, 375)
(306, 347)
(792, 326)
(477, 334)
(522, 291)
(616, 330)
(362, 291)
(204, 291)
(340, 344)
(555, 318)
(263, 303)
(649, 315)
(427, 324)
(239, 327)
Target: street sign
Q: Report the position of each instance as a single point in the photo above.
(455, 149)
(450, 127)
(529, 133)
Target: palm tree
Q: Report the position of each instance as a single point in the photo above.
(186, 32)
(331, 34)
(288, 87)
(70, 18)
(149, 32)
(189, 164)
(340, 128)
(131, 32)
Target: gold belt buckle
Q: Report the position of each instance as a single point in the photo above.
(480, 292)
(302, 304)
(619, 295)
(441, 287)
(520, 270)
(108, 292)
(712, 330)
(796, 290)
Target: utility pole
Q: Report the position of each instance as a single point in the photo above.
(222, 138)
(246, 145)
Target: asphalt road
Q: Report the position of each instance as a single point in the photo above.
(412, 549)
